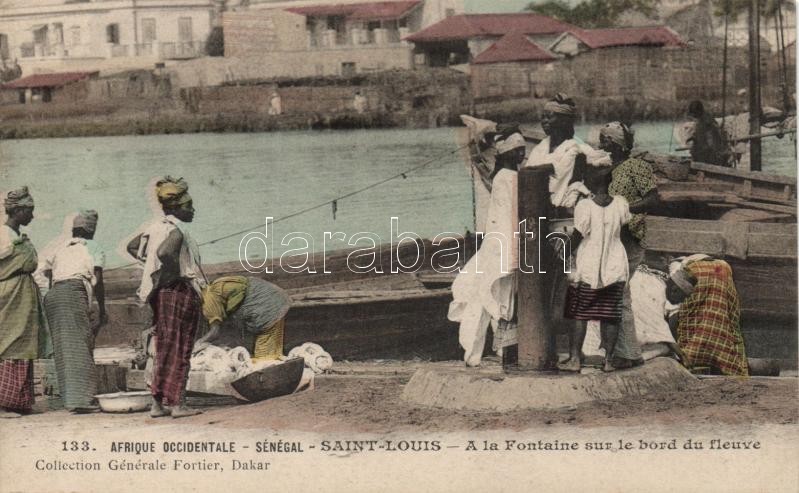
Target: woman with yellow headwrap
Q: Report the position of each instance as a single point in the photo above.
(21, 316)
(172, 283)
(253, 308)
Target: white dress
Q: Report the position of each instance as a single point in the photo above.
(484, 290)
(601, 259)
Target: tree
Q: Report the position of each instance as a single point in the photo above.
(768, 8)
(592, 13)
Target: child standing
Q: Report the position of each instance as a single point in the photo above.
(601, 267)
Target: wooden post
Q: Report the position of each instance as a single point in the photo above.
(535, 333)
(754, 84)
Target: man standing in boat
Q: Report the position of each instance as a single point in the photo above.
(707, 143)
(172, 283)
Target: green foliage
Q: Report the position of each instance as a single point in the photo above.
(736, 8)
(592, 13)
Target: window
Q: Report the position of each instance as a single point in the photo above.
(148, 30)
(74, 35)
(185, 34)
(348, 69)
(112, 34)
(4, 50)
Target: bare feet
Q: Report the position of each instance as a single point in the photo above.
(9, 414)
(608, 367)
(157, 410)
(184, 411)
(571, 364)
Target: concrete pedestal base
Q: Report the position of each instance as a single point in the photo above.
(490, 389)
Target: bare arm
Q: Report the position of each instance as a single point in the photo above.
(205, 341)
(169, 253)
(577, 238)
(646, 204)
(99, 294)
(133, 246)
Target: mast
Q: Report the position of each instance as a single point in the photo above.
(754, 85)
(724, 65)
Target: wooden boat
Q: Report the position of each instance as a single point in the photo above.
(272, 381)
(748, 218)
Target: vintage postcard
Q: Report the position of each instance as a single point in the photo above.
(398, 245)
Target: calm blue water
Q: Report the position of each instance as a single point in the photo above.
(237, 180)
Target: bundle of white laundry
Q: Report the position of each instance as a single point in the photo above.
(227, 365)
(316, 359)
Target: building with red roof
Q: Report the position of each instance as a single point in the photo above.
(581, 40)
(514, 47)
(461, 38)
(42, 87)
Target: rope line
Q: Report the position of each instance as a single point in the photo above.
(300, 212)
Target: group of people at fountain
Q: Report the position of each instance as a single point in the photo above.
(630, 302)
(54, 317)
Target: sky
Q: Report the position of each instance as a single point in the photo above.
(492, 6)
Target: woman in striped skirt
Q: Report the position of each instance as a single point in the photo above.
(75, 270)
(601, 267)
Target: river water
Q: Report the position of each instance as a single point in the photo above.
(237, 180)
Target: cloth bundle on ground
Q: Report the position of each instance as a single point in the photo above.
(233, 363)
(316, 358)
(650, 309)
(228, 365)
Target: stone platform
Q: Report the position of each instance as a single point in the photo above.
(491, 389)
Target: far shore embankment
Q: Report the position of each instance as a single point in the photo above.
(142, 103)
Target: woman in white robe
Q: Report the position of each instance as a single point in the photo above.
(484, 291)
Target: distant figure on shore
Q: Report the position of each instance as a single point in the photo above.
(484, 291)
(254, 308)
(275, 104)
(359, 103)
(707, 142)
(172, 283)
(74, 270)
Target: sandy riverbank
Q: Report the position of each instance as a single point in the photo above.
(354, 434)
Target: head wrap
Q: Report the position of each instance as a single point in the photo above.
(562, 105)
(619, 133)
(172, 193)
(513, 141)
(684, 280)
(86, 219)
(18, 198)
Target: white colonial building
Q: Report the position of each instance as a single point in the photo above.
(105, 35)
